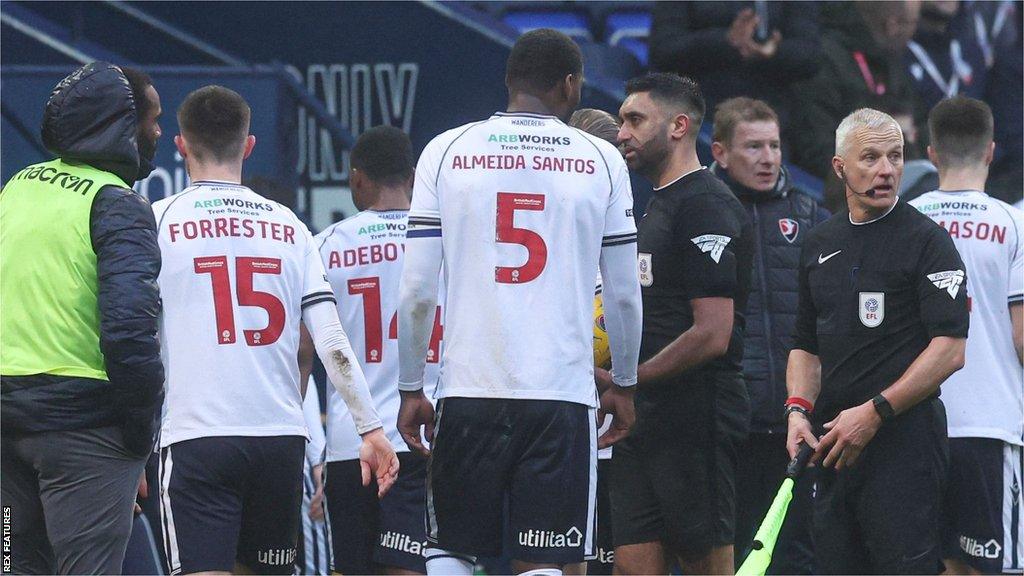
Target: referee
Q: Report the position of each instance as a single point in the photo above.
(882, 322)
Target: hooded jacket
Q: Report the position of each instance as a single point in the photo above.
(782, 218)
(91, 118)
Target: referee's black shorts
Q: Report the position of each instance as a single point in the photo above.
(673, 478)
(882, 516)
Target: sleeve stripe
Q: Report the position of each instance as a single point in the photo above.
(618, 236)
(428, 233)
(307, 304)
(317, 295)
(421, 221)
(1015, 298)
(619, 242)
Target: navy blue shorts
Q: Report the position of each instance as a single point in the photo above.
(368, 533)
(537, 456)
(228, 499)
(982, 515)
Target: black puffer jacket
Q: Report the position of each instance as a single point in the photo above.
(782, 219)
(91, 118)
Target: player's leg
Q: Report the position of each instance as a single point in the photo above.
(402, 536)
(637, 521)
(980, 505)
(553, 493)
(898, 509)
(467, 475)
(87, 485)
(271, 504)
(29, 551)
(354, 514)
(201, 485)
(837, 545)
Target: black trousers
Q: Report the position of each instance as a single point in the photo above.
(760, 470)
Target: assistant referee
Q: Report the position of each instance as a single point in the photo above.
(882, 322)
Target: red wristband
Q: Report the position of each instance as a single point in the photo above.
(797, 401)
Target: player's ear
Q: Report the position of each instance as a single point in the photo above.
(182, 145)
(932, 156)
(989, 154)
(680, 127)
(250, 143)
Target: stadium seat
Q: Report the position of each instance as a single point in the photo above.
(570, 23)
(629, 30)
(614, 64)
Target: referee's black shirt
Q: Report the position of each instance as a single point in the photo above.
(695, 241)
(872, 296)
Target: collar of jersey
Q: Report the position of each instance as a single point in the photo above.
(217, 183)
(872, 221)
(527, 115)
(694, 171)
(968, 191)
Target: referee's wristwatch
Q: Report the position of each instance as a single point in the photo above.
(882, 406)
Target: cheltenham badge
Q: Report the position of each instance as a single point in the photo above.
(871, 308)
(789, 228)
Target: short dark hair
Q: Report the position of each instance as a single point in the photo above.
(672, 89)
(139, 81)
(597, 123)
(961, 130)
(732, 112)
(540, 59)
(215, 121)
(384, 154)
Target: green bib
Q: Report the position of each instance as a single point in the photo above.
(49, 314)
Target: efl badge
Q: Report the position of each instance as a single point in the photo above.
(789, 228)
(872, 308)
(646, 270)
(949, 281)
(712, 244)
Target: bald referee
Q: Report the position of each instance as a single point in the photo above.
(881, 323)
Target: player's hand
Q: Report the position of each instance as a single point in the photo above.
(376, 456)
(847, 436)
(799, 432)
(602, 379)
(618, 402)
(143, 491)
(416, 411)
(316, 502)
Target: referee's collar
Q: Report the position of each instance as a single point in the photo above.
(873, 220)
(681, 176)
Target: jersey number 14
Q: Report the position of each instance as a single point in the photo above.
(369, 288)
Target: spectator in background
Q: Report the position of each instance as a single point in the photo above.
(860, 66)
(731, 49)
(1003, 93)
(82, 378)
(748, 158)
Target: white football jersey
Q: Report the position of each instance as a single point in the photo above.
(985, 399)
(237, 271)
(523, 204)
(363, 257)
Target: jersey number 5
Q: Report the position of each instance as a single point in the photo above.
(369, 288)
(537, 250)
(245, 268)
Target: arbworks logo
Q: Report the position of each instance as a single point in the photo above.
(234, 203)
(529, 139)
(385, 227)
(551, 539)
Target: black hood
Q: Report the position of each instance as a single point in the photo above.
(782, 186)
(91, 118)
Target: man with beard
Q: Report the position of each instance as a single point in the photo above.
(882, 322)
(695, 250)
(82, 377)
(748, 158)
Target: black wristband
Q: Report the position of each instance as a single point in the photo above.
(796, 408)
(882, 406)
